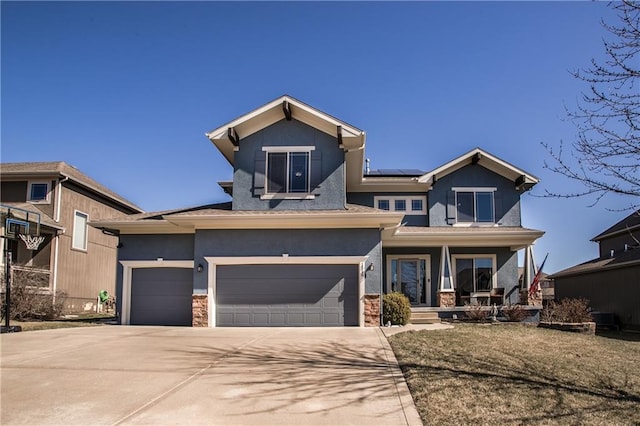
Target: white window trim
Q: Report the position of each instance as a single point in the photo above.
(408, 203)
(47, 200)
(287, 195)
(86, 231)
(494, 266)
(427, 269)
(475, 190)
(127, 273)
(214, 262)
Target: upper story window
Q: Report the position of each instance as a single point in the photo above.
(475, 205)
(288, 170)
(410, 205)
(38, 192)
(80, 230)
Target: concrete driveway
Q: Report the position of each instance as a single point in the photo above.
(113, 375)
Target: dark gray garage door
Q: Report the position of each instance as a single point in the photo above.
(287, 295)
(161, 296)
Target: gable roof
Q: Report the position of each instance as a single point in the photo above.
(521, 178)
(61, 169)
(227, 137)
(629, 223)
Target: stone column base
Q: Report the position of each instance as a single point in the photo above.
(372, 310)
(531, 300)
(200, 310)
(446, 299)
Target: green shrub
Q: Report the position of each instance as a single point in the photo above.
(396, 309)
(567, 310)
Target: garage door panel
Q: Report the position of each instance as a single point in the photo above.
(287, 295)
(161, 296)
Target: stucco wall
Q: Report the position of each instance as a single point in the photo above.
(507, 198)
(294, 242)
(329, 195)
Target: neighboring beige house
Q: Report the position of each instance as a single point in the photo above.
(73, 258)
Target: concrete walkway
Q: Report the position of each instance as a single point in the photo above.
(113, 375)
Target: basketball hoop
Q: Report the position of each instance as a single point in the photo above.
(32, 241)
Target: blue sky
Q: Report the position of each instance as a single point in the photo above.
(125, 91)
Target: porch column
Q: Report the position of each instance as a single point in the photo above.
(446, 288)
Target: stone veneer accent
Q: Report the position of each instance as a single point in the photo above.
(530, 300)
(371, 310)
(200, 310)
(446, 299)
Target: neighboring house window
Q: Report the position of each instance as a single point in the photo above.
(411, 205)
(288, 169)
(80, 230)
(475, 205)
(474, 273)
(38, 192)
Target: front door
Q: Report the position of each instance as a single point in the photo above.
(410, 276)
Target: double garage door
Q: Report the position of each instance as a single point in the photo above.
(251, 295)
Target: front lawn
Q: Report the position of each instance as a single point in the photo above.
(511, 374)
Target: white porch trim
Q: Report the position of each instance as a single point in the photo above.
(285, 259)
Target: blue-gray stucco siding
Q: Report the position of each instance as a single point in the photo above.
(294, 242)
(507, 198)
(330, 194)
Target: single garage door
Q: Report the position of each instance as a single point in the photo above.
(287, 295)
(161, 296)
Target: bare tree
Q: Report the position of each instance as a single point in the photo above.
(606, 152)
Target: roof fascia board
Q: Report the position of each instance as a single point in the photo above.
(563, 274)
(272, 112)
(288, 221)
(494, 164)
(601, 237)
(144, 227)
(513, 240)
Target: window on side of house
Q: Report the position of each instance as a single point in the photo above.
(38, 192)
(80, 231)
(474, 274)
(288, 172)
(383, 204)
(411, 205)
(475, 205)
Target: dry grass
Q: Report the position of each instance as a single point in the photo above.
(512, 374)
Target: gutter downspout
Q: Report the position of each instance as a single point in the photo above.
(57, 239)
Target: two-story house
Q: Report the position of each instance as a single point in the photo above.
(57, 201)
(311, 239)
(611, 281)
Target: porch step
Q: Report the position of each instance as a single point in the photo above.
(422, 317)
